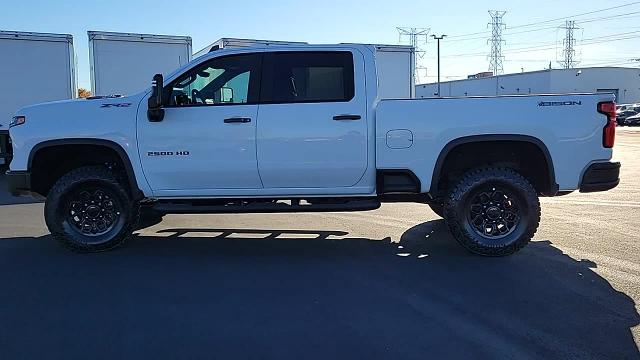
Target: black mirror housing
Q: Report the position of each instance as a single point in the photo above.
(155, 111)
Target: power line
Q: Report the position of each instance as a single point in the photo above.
(509, 33)
(416, 38)
(569, 52)
(570, 45)
(552, 45)
(414, 35)
(496, 58)
(613, 17)
(577, 15)
(553, 20)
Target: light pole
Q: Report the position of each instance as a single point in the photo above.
(439, 38)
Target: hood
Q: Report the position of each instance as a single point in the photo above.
(81, 117)
(82, 105)
(98, 97)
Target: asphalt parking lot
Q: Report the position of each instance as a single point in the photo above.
(391, 283)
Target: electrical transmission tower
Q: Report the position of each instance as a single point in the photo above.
(495, 58)
(415, 37)
(569, 42)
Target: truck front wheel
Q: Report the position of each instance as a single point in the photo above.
(88, 210)
(437, 206)
(493, 211)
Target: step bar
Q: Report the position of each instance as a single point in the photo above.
(265, 206)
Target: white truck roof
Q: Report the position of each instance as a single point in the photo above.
(395, 63)
(238, 43)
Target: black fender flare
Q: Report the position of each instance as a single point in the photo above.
(124, 157)
(494, 138)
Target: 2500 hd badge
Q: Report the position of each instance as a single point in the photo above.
(167, 153)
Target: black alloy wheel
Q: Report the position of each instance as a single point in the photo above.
(93, 212)
(89, 210)
(493, 211)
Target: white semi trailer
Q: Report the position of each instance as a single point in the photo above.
(28, 79)
(395, 63)
(123, 63)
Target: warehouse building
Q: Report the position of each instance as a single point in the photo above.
(623, 82)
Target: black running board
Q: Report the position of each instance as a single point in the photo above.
(268, 206)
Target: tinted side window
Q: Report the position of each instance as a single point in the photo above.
(221, 81)
(297, 77)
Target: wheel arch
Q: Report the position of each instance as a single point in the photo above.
(100, 143)
(494, 138)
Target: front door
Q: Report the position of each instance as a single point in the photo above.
(207, 139)
(312, 128)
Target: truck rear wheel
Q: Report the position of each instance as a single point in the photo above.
(437, 206)
(88, 210)
(493, 211)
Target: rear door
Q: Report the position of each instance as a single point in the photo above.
(312, 128)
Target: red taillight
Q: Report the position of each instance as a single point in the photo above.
(609, 133)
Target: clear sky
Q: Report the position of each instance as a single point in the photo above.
(610, 37)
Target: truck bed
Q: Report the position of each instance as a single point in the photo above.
(410, 134)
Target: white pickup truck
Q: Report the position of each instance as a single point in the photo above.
(300, 128)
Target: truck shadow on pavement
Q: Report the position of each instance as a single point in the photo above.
(238, 293)
(8, 199)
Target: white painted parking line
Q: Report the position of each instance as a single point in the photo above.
(631, 204)
(627, 145)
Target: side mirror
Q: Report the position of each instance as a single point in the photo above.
(155, 112)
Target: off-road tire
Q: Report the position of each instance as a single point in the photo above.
(61, 199)
(148, 217)
(437, 206)
(476, 183)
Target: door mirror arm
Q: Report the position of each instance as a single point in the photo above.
(155, 111)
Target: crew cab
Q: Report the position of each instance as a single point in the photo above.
(301, 128)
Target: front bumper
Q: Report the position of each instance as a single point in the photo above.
(19, 182)
(601, 177)
(5, 148)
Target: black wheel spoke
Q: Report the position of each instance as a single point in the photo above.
(490, 229)
(510, 216)
(503, 227)
(93, 212)
(493, 212)
(476, 209)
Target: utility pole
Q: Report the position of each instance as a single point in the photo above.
(569, 42)
(416, 37)
(495, 58)
(438, 38)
